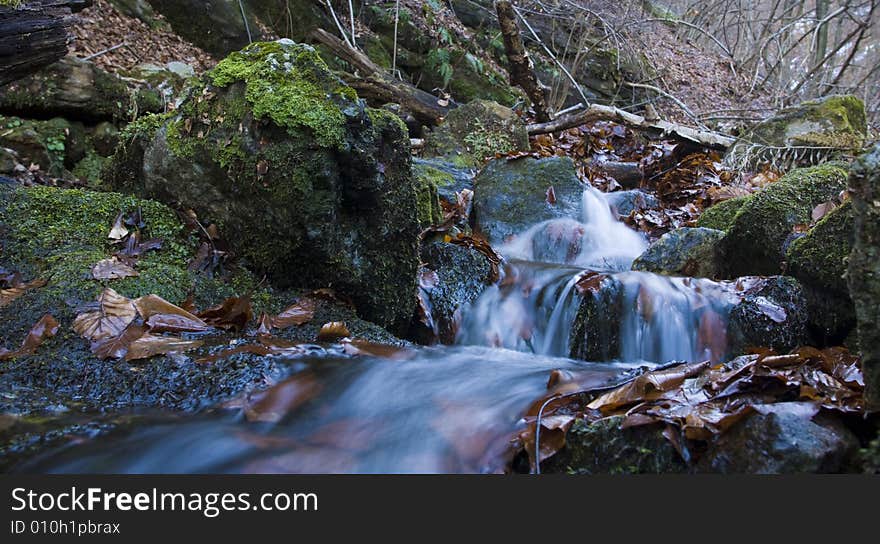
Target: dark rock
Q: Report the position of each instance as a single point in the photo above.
(448, 178)
(310, 186)
(683, 252)
(603, 447)
(818, 260)
(863, 273)
(475, 131)
(462, 273)
(511, 195)
(782, 442)
(767, 222)
(78, 90)
(105, 137)
(635, 200)
(627, 174)
(217, 26)
(771, 312)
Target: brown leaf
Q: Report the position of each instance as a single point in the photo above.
(118, 231)
(822, 210)
(366, 348)
(117, 347)
(162, 316)
(111, 269)
(299, 313)
(282, 399)
(45, 328)
(264, 326)
(150, 345)
(333, 331)
(551, 195)
(233, 313)
(18, 289)
(113, 315)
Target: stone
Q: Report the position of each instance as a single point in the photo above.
(625, 202)
(770, 219)
(771, 312)
(53, 145)
(863, 271)
(78, 90)
(819, 260)
(217, 26)
(628, 174)
(721, 215)
(448, 178)
(510, 196)
(683, 252)
(782, 441)
(475, 131)
(309, 185)
(811, 132)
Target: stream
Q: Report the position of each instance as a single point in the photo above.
(440, 409)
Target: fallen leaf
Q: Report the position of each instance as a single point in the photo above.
(17, 290)
(111, 269)
(282, 399)
(299, 313)
(45, 328)
(114, 314)
(333, 331)
(162, 316)
(118, 231)
(117, 346)
(150, 345)
(822, 210)
(233, 313)
(551, 195)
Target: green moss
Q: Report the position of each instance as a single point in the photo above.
(721, 215)
(287, 83)
(820, 256)
(44, 143)
(90, 167)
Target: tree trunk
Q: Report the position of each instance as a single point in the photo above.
(34, 35)
(522, 73)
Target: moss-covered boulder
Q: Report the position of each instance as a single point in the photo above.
(77, 89)
(721, 215)
(819, 260)
(683, 252)
(447, 177)
(770, 219)
(217, 26)
(52, 145)
(805, 134)
(863, 272)
(311, 187)
(511, 195)
(475, 131)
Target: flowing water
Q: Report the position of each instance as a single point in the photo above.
(445, 409)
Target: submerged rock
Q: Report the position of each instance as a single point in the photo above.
(683, 252)
(512, 195)
(475, 131)
(818, 260)
(768, 220)
(805, 134)
(863, 273)
(310, 186)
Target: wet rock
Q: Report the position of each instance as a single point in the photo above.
(475, 131)
(768, 221)
(818, 260)
(217, 26)
(683, 252)
(627, 174)
(52, 145)
(448, 178)
(310, 186)
(603, 447)
(8, 161)
(721, 216)
(782, 442)
(771, 312)
(78, 90)
(805, 134)
(863, 273)
(511, 195)
(635, 200)
(462, 275)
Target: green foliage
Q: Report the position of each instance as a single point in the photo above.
(439, 61)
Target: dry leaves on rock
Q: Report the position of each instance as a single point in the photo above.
(15, 288)
(45, 328)
(112, 314)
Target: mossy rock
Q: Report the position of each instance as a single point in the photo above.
(312, 187)
(78, 90)
(605, 447)
(511, 195)
(216, 26)
(811, 132)
(430, 211)
(721, 215)
(447, 177)
(53, 145)
(475, 131)
(683, 252)
(819, 261)
(769, 220)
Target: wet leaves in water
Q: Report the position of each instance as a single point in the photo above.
(112, 315)
(45, 328)
(589, 282)
(234, 313)
(333, 331)
(297, 314)
(116, 347)
(282, 399)
(111, 269)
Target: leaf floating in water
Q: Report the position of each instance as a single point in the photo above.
(299, 313)
(162, 316)
(280, 400)
(45, 328)
(150, 345)
(355, 347)
(333, 331)
(114, 313)
(111, 269)
(233, 313)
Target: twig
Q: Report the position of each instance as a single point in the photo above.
(108, 50)
(247, 26)
(351, 16)
(660, 91)
(338, 24)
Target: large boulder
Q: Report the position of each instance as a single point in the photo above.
(78, 90)
(863, 272)
(770, 312)
(475, 131)
(818, 260)
(512, 195)
(721, 216)
(217, 26)
(770, 219)
(683, 252)
(804, 134)
(310, 186)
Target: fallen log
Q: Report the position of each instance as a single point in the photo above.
(34, 35)
(597, 112)
(522, 73)
(376, 85)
